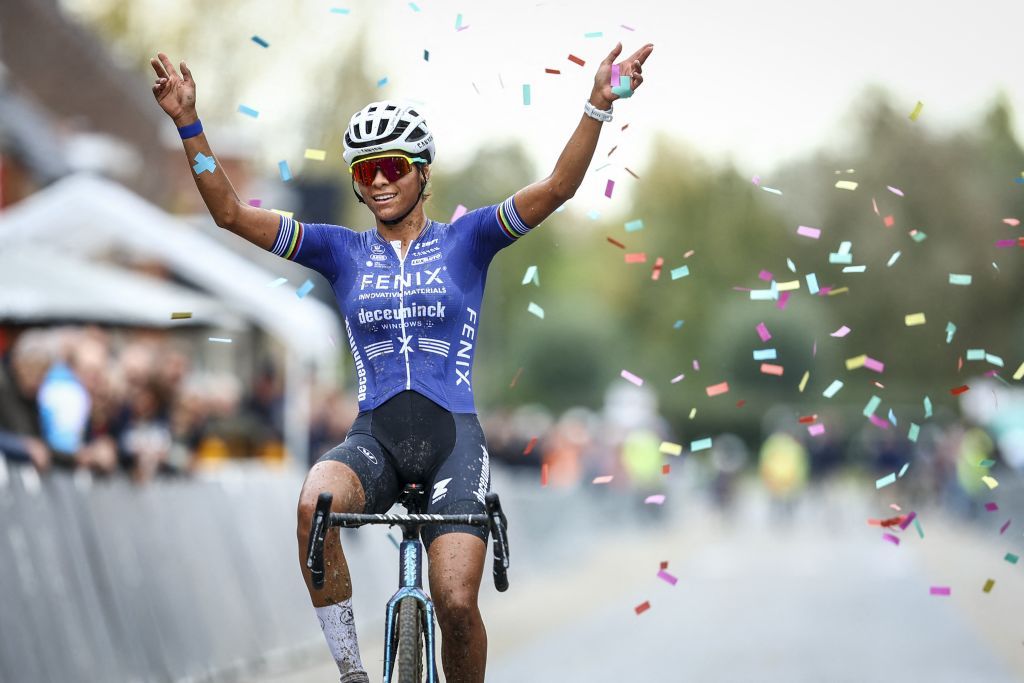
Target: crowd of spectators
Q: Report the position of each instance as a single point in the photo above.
(82, 397)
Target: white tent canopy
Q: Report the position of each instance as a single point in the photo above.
(91, 217)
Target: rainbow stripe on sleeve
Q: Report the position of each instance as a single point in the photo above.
(511, 224)
(289, 238)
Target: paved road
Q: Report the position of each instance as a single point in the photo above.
(822, 598)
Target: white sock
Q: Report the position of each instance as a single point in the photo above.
(339, 629)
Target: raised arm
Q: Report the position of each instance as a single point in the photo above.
(176, 95)
(539, 200)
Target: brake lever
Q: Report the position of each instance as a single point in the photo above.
(317, 533)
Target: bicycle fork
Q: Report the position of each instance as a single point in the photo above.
(410, 574)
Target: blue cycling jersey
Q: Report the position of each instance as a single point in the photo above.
(412, 322)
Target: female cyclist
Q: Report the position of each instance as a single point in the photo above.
(409, 291)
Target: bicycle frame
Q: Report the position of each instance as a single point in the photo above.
(410, 580)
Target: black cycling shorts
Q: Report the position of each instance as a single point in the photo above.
(409, 439)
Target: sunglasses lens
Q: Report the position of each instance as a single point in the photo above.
(393, 168)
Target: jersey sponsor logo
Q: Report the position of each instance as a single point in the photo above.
(425, 259)
(424, 245)
(465, 353)
(358, 360)
(412, 311)
(378, 257)
(485, 474)
(377, 248)
(420, 278)
(440, 489)
(369, 456)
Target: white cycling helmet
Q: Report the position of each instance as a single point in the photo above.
(386, 125)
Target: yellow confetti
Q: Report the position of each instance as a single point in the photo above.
(856, 362)
(912, 319)
(846, 184)
(788, 286)
(803, 382)
(286, 214)
(184, 315)
(693, 413)
(316, 154)
(990, 482)
(841, 290)
(1020, 372)
(917, 111)
(989, 585)
(671, 448)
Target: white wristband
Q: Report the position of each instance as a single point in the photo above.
(603, 115)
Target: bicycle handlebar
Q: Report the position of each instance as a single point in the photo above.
(324, 519)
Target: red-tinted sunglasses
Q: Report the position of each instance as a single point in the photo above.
(393, 166)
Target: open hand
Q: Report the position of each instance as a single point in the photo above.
(605, 92)
(175, 94)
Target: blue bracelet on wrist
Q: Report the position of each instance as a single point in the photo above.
(191, 130)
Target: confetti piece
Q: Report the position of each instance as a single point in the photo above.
(988, 586)
(256, 202)
(770, 369)
(630, 377)
(633, 226)
(841, 332)
(991, 507)
(656, 271)
(812, 283)
(286, 173)
(939, 590)
(426, 53)
(765, 354)
(803, 380)
(885, 481)
(614, 80)
(460, 211)
(913, 319)
(642, 607)
(680, 272)
(846, 185)
(530, 445)
(458, 22)
(204, 164)
(872, 364)
(693, 413)
(248, 111)
(381, 82)
(894, 190)
(950, 331)
(804, 231)
(665, 469)
(927, 407)
(526, 94)
(617, 243)
(771, 190)
(667, 578)
(718, 389)
(593, 34)
(603, 479)
(183, 315)
(956, 391)
(990, 482)
(259, 41)
(788, 286)
(913, 432)
(1019, 373)
(917, 526)
(608, 188)
(656, 499)
(531, 276)
(678, 325)
(536, 310)
(305, 289)
(892, 539)
(315, 154)
(917, 111)
(339, 10)
(552, 71)
(544, 474)
(975, 354)
(1002, 529)
(414, 7)
(670, 448)
(889, 221)
(872, 406)
(956, 279)
(700, 445)
(696, 364)
(762, 332)
(576, 60)
(221, 340)
(640, 257)
(816, 430)
(892, 259)
(1011, 558)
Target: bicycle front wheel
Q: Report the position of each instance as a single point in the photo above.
(410, 641)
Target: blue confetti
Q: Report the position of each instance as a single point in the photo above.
(248, 111)
(286, 173)
(339, 10)
(382, 82)
(305, 289)
(259, 41)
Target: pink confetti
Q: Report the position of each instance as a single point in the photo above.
(783, 300)
(766, 276)
(892, 539)
(628, 28)
(678, 378)
(718, 389)
(608, 188)
(895, 190)
(642, 607)
(460, 211)
(906, 522)
(756, 180)
(841, 332)
(1005, 244)
(872, 364)
(879, 422)
(656, 499)
(615, 75)
(603, 479)
(991, 507)
(816, 430)
(667, 578)
(939, 590)
(696, 365)
(640, 257)
(763, 333)
(771, 369)
(256, 202)
(1006, 526)
(630, 377)
(813, 233)
(1011, 221)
